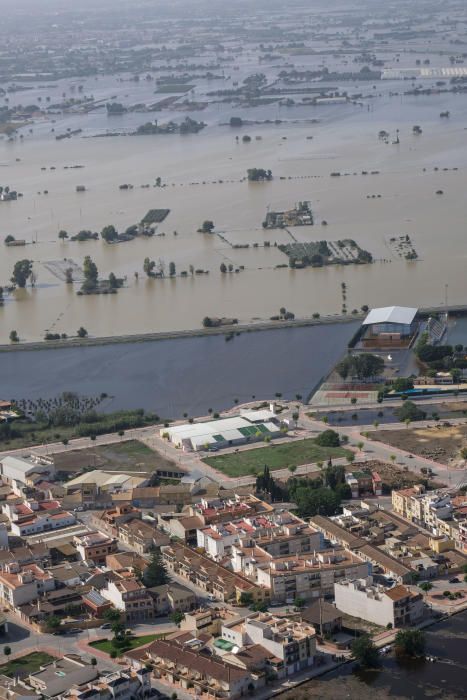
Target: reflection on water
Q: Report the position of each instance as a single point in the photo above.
(182, 375)
(414, 679)
(345, 140)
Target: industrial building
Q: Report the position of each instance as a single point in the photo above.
(390, 326)
(251, 426)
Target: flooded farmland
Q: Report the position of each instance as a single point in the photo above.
(345, 140)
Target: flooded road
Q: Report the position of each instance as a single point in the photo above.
(416, 680)
(187, 375)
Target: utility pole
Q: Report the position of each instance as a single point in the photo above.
(320, 616)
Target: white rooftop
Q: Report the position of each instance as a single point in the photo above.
(217, 431)
(391, 314)
(260, 415)
(102, 478)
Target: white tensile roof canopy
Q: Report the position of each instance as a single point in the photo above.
(391, 314)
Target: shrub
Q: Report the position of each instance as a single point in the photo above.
(328, 438)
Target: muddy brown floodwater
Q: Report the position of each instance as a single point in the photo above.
(345, 140)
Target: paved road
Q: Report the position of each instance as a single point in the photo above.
(308, 427)
(373, 449)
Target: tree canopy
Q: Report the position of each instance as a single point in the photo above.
(328, 438)
(155, 573)
(90, 272)
(364, 366)
(365, 652)
(410, 643)
(22, 271)
(409, 411)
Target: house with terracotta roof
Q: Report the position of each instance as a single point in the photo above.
(110, 520)
(292, 643)
(208, 676)
(94, 547)
(279, 533)
(219, 510)
(42, 523)
(172, 597)
(396, 606)
(130, 597)
(141, 536)
(185, 528)
(19, 585)
(221, 583)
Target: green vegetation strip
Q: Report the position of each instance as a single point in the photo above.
(106, 645)
(290, 454)
(24, 433)
(30, 663)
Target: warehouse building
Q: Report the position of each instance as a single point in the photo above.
(225, 432)
(390, 326)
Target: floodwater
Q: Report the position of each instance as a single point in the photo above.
(185, 375)
(416, 680)
(345, 140)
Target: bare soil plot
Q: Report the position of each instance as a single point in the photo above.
(440, 443)
(393, 477)
(129, 455)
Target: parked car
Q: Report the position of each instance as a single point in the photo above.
(106, 626)
(454, 580)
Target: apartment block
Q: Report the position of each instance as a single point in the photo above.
(292, 644)
(395, 606)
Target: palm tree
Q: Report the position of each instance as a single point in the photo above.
(425, 586)
(392, 458)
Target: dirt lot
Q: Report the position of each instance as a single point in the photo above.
(393, 477)
(342, 688)
(440, 443)
(129, 455)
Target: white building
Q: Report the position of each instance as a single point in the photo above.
(43, 522)
(361, 598)
(119, 685)
(221, 433)
(292, 643)
(19, 469)
(131, 598)
(277, 533)
(19, 586)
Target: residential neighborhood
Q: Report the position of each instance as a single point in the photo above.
(235, 590)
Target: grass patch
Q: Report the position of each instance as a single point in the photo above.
(30, 663)
(289, 454)
(106, 645)
(128, 455)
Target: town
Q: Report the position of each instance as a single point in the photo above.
(241, 553)
(233, 429)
